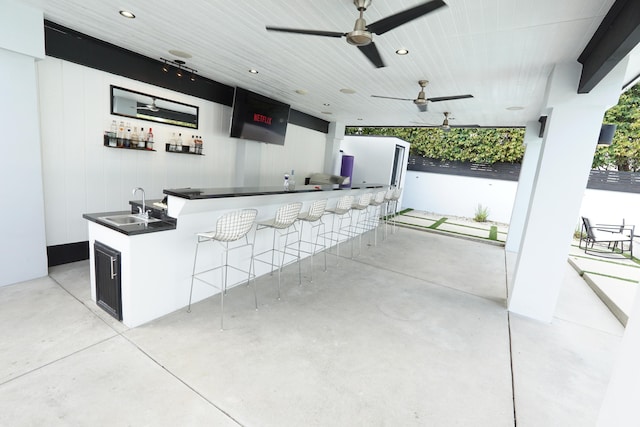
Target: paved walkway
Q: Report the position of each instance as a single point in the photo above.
(463, 227)
(613, 278)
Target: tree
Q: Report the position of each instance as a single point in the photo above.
(624, 152)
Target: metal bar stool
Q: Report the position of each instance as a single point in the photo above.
(387, 201)
(281, 224)
(231, 227)
(375, 212)
(342, 211)
(314, 218)
(392, 207)
(357, 229)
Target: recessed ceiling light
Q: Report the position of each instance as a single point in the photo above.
(515, 108)
(349, 91)
(253, 71)
(402, 52)
(327, 112)
(301, 91)
(326, 104)
(127, 14)
(180, 53)
(360, 118)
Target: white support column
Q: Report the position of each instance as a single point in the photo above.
(573, 127)
(525, 186)
(332, 148)
(23, 247)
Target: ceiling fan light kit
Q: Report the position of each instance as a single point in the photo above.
(362, 34)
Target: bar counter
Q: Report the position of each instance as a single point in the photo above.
(156, 267)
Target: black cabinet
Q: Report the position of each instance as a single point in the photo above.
(108, 279)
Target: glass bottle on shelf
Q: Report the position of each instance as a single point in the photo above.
(172, 142)
(142, 142)
(127, 136)
(120, 135)
(192, 148)
(113, 134)
(135, 137)
(150, 139)
(286, 182)
(179, 143)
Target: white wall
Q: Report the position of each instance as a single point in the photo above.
(81, 175)
(22, 236)
(459, 195)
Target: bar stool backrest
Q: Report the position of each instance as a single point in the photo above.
(344, 203)
(396, 194)
(379, 199)
(316, 210)
(234, 225)
(286, 215)
(363, 201)
(389, 194)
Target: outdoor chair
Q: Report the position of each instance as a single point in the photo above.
(608, 234)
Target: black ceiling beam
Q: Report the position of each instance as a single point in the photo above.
(617, 35)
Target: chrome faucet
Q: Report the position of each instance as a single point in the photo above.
(141, 210)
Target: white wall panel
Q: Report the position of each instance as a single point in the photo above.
(303, 152)
(81, 175)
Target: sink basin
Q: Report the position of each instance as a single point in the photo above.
(129, 219)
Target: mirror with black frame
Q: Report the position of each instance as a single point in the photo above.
(137, 105)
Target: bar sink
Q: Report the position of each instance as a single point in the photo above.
(129, 219)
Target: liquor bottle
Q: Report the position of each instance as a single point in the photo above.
(135, 137)
(120, 135)
(150, 139)
(142, 142)
(113, 134)
(127, 136)
(286, 182)
(172, 142)
(179, 143)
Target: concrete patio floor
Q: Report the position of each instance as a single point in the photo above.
(411, 332)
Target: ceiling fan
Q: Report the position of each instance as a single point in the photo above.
(362, 34)
(421, 100)
(151, 107)
(445, 126)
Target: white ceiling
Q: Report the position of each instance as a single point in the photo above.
(501, 51)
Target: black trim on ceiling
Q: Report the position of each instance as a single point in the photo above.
(305, 120)
(70, 45)
(69, 252)
(617, 35)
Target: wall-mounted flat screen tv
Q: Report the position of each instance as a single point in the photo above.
(258, 118)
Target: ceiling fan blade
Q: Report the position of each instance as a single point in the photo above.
(307, 32)
(391, 97)
(393, 21)
(449, 98)
(465, 126)
(371, 52)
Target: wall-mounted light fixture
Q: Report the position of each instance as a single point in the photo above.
(181, 68)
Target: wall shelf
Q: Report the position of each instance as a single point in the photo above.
(166, 148)
(120, 144)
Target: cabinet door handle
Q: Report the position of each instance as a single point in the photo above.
(113, 267)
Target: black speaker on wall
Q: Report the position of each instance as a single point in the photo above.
(606, 134)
